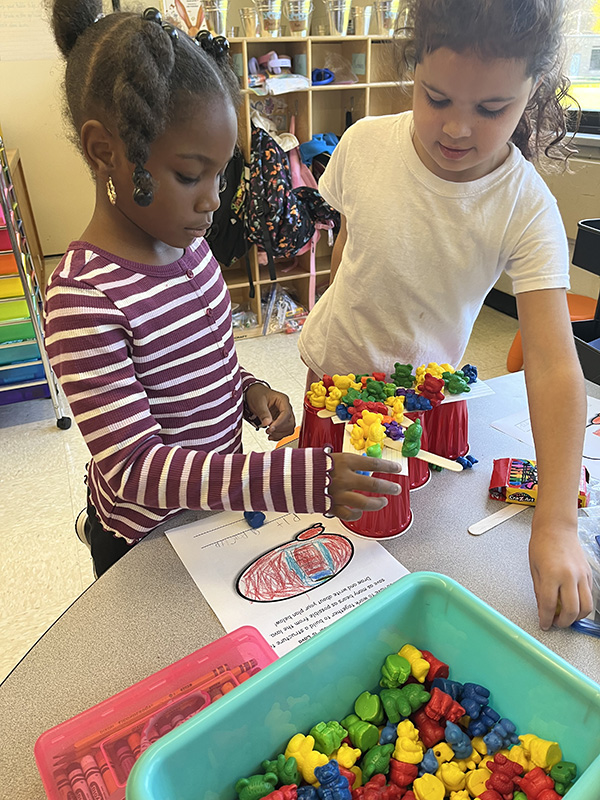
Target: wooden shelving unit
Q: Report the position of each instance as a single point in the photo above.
(319, 109)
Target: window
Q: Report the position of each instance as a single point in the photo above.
(583, 59)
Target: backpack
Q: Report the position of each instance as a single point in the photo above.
(276, 220)
(227, 235)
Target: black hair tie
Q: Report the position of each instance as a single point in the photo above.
(152, 15)
(215, 46)
(142, 181)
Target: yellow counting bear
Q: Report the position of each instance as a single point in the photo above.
(408, 747)
(333, 399)
(346, 756)
(396, 405)
(428, 787)
(307, 758)
(316, 395)
(462, 795)
(451, 776)
(344, 382)
(419, 667)
(541, 752)
(475, 781)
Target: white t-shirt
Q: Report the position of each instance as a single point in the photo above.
(422, 252)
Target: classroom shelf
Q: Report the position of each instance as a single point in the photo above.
(318, 109)
(25, 371)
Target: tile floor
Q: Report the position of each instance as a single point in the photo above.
(43, 567)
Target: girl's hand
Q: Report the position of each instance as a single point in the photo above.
(562, 578)
(345, 485)
(273, 409)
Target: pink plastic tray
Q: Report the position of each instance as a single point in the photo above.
(91, 755)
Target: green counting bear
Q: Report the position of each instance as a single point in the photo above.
(376, 760)
(396, 669)
(563, 774)
(401, 703)
(328, 737)
(376, 390)
(362, 734)
(402, 375)
(256, 786)
(368, 707)
(286, 770)
(456, 382)
(350, 396)
(412, 439)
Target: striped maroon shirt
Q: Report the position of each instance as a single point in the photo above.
(146, 357)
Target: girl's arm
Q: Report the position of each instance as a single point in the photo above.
(557, 405)
(338, 249)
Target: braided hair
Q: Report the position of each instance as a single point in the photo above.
(139, 72)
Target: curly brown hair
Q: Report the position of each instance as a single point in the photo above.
(132, 70)
(531, 30)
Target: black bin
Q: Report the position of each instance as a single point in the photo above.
(587, 332)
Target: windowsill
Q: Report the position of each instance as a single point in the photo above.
(588, 145)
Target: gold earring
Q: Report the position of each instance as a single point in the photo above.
(111, 192)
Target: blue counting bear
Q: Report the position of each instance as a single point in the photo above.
(467, 462)
(333, 786)
(342, 412)
(416, 402)
(501, 736)
(458, 740)
(429, 763)
(388, 734)
(484, 722)
(453, 688)
(470, 373)
(308, 792)
(474, 698)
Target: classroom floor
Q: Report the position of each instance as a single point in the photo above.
(44, 567)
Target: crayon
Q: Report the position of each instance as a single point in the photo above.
(134, 740)
(78, 783)
(64, 787)
(83, 745)
(107, 775)
(125, 757)
(93, 777)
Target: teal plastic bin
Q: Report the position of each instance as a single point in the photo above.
(320, 680)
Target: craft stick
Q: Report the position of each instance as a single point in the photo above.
(396, 456)
(487, 523)
(322, 413)
(424, 455)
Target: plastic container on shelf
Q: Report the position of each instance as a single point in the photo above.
(4, 239)
(447, 428)
(11, 354)
(11, 287)
(8, 265)
(17, 332)
(109, 737)
(37, 392)
(321, 679)
(13, 309)
(22, 374)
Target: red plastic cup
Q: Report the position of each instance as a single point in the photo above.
(391, 521)
(447, 429)
(317, 432)
(418, 471)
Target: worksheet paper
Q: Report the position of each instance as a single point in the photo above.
(518, 426)
(290, 578)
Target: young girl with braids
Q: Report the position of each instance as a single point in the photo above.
(138, 316)
(446, 200)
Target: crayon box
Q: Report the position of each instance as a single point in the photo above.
(91, 755)
(514, 480)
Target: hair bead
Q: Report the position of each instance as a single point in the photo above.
(152, 14)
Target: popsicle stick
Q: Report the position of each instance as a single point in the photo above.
(487, 523)
(424, 455)
(322, 413)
